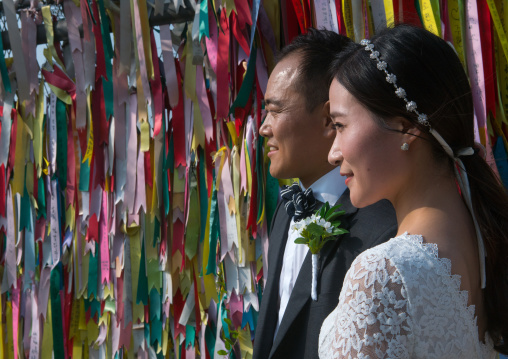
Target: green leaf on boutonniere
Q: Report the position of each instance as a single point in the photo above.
(301, 240)
(321, 227)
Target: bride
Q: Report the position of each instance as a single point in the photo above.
(402, 108)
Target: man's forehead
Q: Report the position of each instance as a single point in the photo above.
(284, 78)
(289, 66)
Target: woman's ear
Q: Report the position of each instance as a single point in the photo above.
(408, 130)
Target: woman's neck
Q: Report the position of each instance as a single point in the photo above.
(429, 205)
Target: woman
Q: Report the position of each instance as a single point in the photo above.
(402, 108)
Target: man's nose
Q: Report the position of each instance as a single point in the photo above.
(266, 128)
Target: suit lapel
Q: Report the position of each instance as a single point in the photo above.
(269, 308)
(301, 292)
(332, 246)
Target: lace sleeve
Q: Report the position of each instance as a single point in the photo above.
(372, 318)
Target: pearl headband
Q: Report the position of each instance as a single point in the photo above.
(458, 167)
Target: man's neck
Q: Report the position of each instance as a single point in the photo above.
(329, 187)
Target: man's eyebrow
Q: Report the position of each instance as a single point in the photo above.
(273, 102)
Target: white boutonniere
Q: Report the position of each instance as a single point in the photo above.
(315, 231)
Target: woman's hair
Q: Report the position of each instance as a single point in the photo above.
(430, 72)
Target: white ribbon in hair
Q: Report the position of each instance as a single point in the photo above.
(462, 179)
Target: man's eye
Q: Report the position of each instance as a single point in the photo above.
(337, 126)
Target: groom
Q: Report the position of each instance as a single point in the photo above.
(300, 134)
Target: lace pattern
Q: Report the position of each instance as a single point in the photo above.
(399, 300)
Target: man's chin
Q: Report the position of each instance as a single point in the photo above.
(276, 172)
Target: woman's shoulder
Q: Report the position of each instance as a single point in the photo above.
(401, 250)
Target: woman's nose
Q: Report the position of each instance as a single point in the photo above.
(335, 155)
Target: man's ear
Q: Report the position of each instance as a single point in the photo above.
(327, 120)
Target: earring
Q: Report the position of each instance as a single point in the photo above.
(405, 146)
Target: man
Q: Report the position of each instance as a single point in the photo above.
(300, 135)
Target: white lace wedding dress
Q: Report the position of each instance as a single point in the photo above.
(399, 300)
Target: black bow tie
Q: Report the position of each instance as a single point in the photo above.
(298, 204)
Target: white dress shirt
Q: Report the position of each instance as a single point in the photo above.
(326, 189)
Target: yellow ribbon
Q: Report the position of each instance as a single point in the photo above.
(429, 20)
(456, 17)
(48, 26)
(390, 16)
(347, 13)
(499, 27)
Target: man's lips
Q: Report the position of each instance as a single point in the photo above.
(272, 149)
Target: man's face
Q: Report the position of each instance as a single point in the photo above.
(298, 140)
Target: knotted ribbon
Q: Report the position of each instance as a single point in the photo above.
(299, 204)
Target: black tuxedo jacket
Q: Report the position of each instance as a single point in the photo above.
(299, 329)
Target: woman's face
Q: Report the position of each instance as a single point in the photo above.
(368, 154)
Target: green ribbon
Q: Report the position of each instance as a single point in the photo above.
(156, 232)
(3, 68)
(56, 311)
(29, 254)
(259, 173)
(203, 20)
(84, 176)
(193, 224)
(41, 199)
(210, 336)
(170, 160)
(92, 272)
(271, 195)
(142, 292)
(190, 335)
(211, 267)
(24, 215)
(203, 193)
(155, 318)
(247, 84)
(418, 10)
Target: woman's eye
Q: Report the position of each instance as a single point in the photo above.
(338, 126)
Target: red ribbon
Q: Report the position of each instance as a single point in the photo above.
(222, 68)
(240, 33)
(244, 13)
(71, 168)
(100, 133)
(3, 195)
(296, 5)
(340, 20)
(85, 14)
(93, 228)
(60, 80)
(410, 13)
(178, 123)
(292, 22)
(489, 72)
(148, 170)
(12, 147)
(178, 304)
(99, 46)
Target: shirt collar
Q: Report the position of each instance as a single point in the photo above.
(329, 187)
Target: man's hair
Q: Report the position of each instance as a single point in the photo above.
(317, 49)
